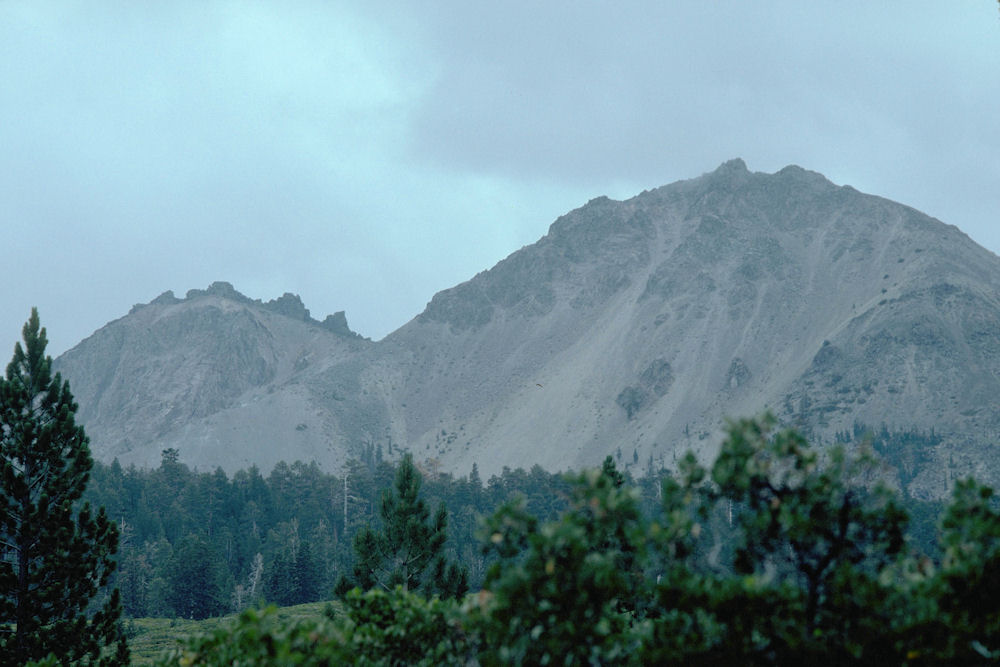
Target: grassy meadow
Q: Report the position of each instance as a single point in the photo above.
(150, 637)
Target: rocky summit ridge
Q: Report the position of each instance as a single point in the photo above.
(632, 327)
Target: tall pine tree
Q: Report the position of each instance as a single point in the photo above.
(196, 579)
(408, 551)
(55, 556)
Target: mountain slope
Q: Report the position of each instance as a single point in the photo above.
(632, 327)
(228, 381)
(641, 324)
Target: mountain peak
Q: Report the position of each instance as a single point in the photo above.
(797, 174)
(734, 166)
(289, 305)
(732, 172)
(218, 288)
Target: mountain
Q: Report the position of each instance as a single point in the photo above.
(633, 327)
(226, 380)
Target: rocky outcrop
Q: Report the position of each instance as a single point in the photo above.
(223, 378)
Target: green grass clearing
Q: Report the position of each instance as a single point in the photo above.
(150, 637)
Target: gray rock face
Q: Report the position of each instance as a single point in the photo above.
(636, 325)
(227, 380)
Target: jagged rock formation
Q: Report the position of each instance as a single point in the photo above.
(632, 326)
(225, 379)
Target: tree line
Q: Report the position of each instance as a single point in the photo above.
(199, 544)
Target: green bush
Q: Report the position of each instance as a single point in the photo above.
(403, 628)
(571, 596)
(376, 628)
(257, 637)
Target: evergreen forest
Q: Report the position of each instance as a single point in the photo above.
(200, 544)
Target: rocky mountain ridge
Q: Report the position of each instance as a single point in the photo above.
(632, 327)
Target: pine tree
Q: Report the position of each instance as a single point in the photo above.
(306, 575)
(408, 551)
(55, 555)
(196, 580)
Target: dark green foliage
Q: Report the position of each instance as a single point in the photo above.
(813, 548)
(564, 591)
(377, 628)
(408, 549)
(342, 586)
(258, 638)
(294, 576)
(609, 470)
(773, 556)
(307, 576)
(297, 504)
(134, 583)
(452, 580)
(195, 580)
(907, 451)
(963, 627)
(56, 553)
(401, 627)
(814, 524)
(279, 585)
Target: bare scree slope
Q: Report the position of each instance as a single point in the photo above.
(632, 326)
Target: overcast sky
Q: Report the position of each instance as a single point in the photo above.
(365, 155)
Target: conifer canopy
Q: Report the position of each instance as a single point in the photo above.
(56, 554)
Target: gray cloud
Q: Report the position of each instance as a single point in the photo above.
(366, 156)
